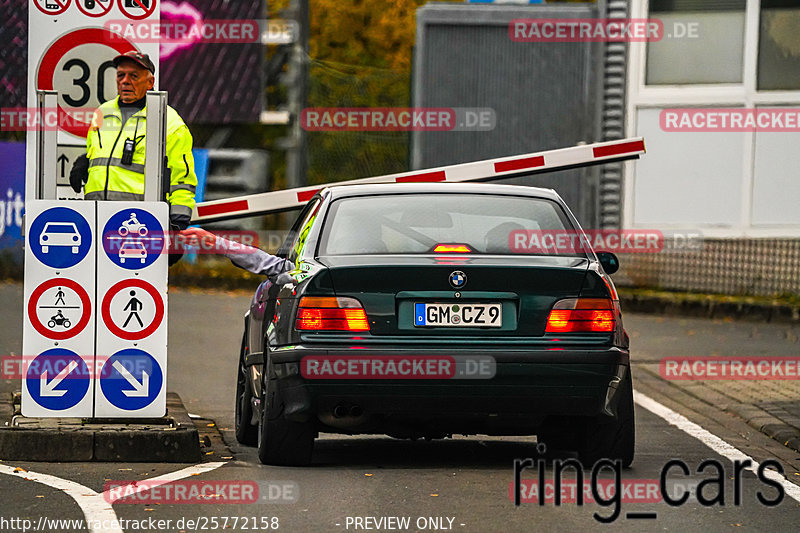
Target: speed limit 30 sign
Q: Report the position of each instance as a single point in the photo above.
(70, 50)
(65, 64)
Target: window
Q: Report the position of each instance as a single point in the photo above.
(417, 223)
(779, 45)
(703, 42)
(296, 239)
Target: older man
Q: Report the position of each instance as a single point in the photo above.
(113, 168)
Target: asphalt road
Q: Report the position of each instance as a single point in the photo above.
(462, 484)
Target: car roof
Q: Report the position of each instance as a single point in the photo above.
(344, 191)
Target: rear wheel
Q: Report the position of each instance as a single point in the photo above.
(597, 438)
(613, 440)
(281, 441)
(246, 432)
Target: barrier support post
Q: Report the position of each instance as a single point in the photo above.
(155, 147)
(46, 146)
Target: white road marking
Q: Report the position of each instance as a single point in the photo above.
(712, 441)
(96, 508)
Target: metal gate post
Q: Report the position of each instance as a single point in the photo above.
(46, 145)
(155, 146)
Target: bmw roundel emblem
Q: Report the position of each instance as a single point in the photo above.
(458, 279)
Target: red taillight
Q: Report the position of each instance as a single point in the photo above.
(331, 314)
(580, 315)
(452, 249)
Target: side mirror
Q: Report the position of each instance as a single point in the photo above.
(609, 261)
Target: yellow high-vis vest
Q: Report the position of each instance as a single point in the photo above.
(111, 179)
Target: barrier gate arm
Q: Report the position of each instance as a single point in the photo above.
(490, 169)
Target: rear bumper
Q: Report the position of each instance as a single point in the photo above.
(528, 388)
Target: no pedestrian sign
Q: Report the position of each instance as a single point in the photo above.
(132, 309)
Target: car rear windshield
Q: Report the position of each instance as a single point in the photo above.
(426, 223)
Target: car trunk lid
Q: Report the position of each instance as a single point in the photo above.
(522, 291)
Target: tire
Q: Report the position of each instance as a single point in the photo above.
(281, 442)
(142, 231)
(612, 440)
(67, 323)
(246, 432)
(51, 324)
(122, 231)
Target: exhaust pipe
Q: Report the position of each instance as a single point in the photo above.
(340, 411)
(356, 411)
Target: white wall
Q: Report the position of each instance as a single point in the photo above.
(724, 184)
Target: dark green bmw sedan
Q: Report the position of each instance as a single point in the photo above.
(432, 309)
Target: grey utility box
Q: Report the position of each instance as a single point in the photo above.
(545, 95)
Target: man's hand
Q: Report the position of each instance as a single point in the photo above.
(284, 278)
(79, 173)
(199, 237)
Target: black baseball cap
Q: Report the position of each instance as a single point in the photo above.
(137, 57)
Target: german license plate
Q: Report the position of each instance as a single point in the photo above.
(460, 315)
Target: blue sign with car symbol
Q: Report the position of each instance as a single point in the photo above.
(133, 239)
(60, 237)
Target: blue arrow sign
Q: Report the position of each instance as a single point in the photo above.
(133, 239)
(57, 379)
(60, 237)
(131, 379)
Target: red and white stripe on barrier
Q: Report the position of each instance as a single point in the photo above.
(491, 169)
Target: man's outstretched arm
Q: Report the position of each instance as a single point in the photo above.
(246, 257)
